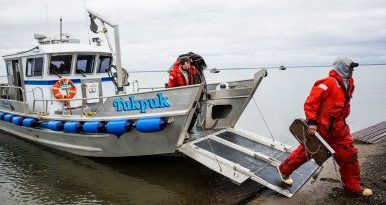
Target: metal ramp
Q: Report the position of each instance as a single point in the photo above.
(240, 155)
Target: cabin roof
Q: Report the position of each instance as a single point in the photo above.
(59, 48)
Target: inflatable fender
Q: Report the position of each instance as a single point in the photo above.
(55, 125)
(72, 127)
(30, 122)
(17, 120)
(2, 114)
(119, 127)
(147, 125)
(8, 117)
(94, 127)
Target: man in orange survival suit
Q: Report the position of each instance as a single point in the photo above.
(183, 73)
(326, 109)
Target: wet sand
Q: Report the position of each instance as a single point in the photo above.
(327, 189)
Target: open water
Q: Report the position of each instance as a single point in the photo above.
(33, 174)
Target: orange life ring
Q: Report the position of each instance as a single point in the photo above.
(64, 89)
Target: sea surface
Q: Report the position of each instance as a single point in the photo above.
(33, 174)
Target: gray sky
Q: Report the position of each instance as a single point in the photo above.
(227, 33)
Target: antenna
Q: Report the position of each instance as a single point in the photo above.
(61, 22)
(48, 23)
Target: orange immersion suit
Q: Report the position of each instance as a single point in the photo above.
(327, 107)
(176, 78)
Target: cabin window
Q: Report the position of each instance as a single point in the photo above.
(85, 64)
(104, 64)
(60, 64)
(9, 69)
(34, 67)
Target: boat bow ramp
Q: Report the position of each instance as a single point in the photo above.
(240, 155)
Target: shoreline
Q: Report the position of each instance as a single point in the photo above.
(327, 190)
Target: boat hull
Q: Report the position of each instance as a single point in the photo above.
(131, 143)
(172, 109)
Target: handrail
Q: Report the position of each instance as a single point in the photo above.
(133, 83)
(45, 102)
(83, 100)
(11, 86)
(15, 87)
(77, 99)
(149, 88)
(33, 94)
(136, 82)
(121, 95)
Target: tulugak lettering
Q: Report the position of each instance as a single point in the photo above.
(142, 105)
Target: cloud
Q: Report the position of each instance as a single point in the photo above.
(227, 33)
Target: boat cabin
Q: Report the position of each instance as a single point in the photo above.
(32, 74)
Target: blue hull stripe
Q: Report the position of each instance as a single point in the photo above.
(51, 82)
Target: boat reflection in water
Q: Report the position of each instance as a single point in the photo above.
(31, 174)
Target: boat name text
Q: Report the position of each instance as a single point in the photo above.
(142, 105)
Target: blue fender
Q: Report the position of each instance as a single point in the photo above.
(2, 114)
(30, 122)
(72, 127)
(17, 120)
(119, 127)
(55, 125)
(8, 117)
(147, 125)
(94, 127)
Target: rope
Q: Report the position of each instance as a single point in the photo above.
(304, 142)
(310, 154)
(266, 125)
(210, 145)
(316, 175)
(205, 133)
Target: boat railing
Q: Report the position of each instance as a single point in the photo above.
(65, 103)
(137, 87)
(134, 83)
(34, 96)
(66, 108)
(4, 92)
(150, 88)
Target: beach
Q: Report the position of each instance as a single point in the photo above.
(326, 190)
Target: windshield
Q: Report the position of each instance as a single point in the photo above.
(85, 64)
(104, 64)
(60, 64)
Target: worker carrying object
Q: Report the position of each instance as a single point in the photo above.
(326, 109)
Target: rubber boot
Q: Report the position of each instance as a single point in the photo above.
(367, 192)
(287, 180)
